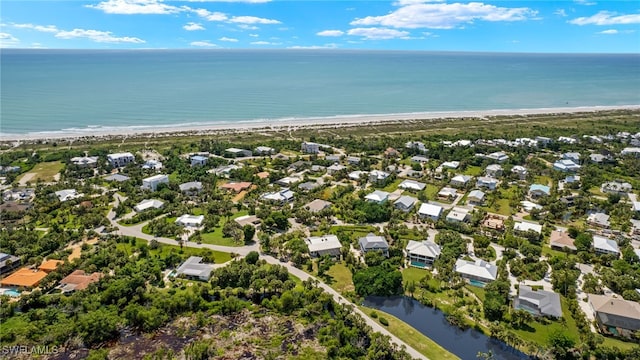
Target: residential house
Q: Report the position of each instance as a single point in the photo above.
(630, 151)
(235, 152)
(193, 268)
(335, 168)
(353, 160)
(566, 165)
(635, 206)
(460, 180)
(569, 200)
(358, 175)
(605, 246)
(317, 205)
(477, 273)
(598, 158)
(561, 240)
(450, 164)
(308, 186)
(414, 174)
(405, 203)
(378, 177)
(198, 160)
(416, 145)
(493, 222)
(289, 180)
(538, 303)
(567, 140)
(333, 158)
(599, 219)
(521, 171)
(120, 159)
(152, 165)
(476, 197)
(85, 161)
(310, 148)
(191, 188)
(635, 227)
(152, 182)
(67, 194)
(148, 204)
(537, 191)
(614, 315)
(372, 242)
(78, 280)
(248, 220)
(525, 227)
(616, 188)
(419, 159)
(324, 245)
(8, 263)
(191, 221)
(447, 193)
(430, 211)
(487, 182)
(422, 254)
(458, 215)
(412, 185)
(499, 156)
(378, 197)
(264, 150)
(236, 186)
(117, 178)
(544, 141)
(493, 170)
(298, 165)
(283, 196)
(528, 206)
(573, 156)
(318, 168)
(391, 153)
(281, 157)
(225, 170)
(24, 278)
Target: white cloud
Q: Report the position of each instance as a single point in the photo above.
(265, 43)
(444, 15)
(609, 32)
(204, 43)
(41, 28)
(130, 7)
(224, 38)
(254, 35)
(560, 12)
(207, 15)
(7, 40)
(97, 36)
(607, 18)
(330, 33)
(585, 2)
(253, 20)
(248, 27)
(378, 33)
(193, 26)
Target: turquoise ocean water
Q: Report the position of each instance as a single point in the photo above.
(81, 90)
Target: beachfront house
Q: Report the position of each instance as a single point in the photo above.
(477, 273)
(430, 211)
(152, 182)
(324, 245)
(405, 203)
(422, 254)
(194, 269)
(310, 147)
(148, 204)
(372, 242)
(615, 316)
(118, 160)
(538, 303)
(85, 161)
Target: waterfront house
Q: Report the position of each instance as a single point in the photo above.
(615, 316)
(422, 254)
(538, 303)
(372, 242)
(477, 272)
(118, 160)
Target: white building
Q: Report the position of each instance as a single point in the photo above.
(604, 246)
(324, 245)
(151, 183)
(85, 161)
(378, 177)
(523, 226)
(566, 165)
(460, 180)
(378, 197)
(187, 220)
(152, 164)
(447, 193)
(264, 150)
(493, 170)
(632, 151)
(422, 254)
(120, 159)
(373, 242)
(199, 160)
(67, 194)
(310, 148)
(148, 204)
(193, 268)
(191, 188)
(235, 152)
(406, 203)
(430, 211)
(487, 182)
(412, 185)
(521, 171)
(477, 272)
(458, 215)
(283, 196)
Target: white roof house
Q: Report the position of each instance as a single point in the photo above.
(191, 187)
(477, 271)
(148, 204)
(120, 159)
(419, 159)
(377, 196)
(422, 253)
(599, 219)
(282, 196)
(194, 268)
(528, 205)
(487, 182)
(152, 164)
(430, 211)
(458, 214)
(377, 176)
(152, 182)
(602, 245)
(85, 161)
(412, 185)
(566, 165)
(523, 226)
(405, 203)
(499, 156)
(264, 150)
(289, 180)
(616, 187)
(476, 196)
(447, 192)
(493, 170)
(450, 164)
(461, 180)
(187, 220)
(635, 151)
(324, 245)
(335, 168)
(357, 175)
(539, 303)
(67, 194)
(199, 160)
(521, 171)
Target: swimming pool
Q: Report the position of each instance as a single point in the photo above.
(477, 283)
(10, 292)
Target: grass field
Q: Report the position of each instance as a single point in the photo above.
(164, 249)
(342, 281)
(44, 171)
(431, 191)
(473, 170)
(216, 238)
(392, 186)
(412, 337)
(539, 333)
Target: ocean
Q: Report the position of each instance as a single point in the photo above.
(79, 91)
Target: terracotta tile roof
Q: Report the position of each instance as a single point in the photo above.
(50, 265)
(79, 280)
(24, 277)
(263, 175)
(561, 239)
(236, 186)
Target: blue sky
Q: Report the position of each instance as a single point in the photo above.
(512, 26)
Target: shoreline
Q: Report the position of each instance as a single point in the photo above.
(289, 123)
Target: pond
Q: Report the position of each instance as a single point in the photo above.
(432, 323)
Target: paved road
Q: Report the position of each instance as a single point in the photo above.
(136, 231)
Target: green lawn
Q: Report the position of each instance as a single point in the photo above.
(617, 343)
(164, 249)
(479, 292)
(44, 171)
(539, 333)
(412, 337)
(216, 238)
(393, 186)
(342, 280)
(473, 171)
(431, 191)
(543, 180)
(413, 274)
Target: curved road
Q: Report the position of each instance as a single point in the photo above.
(136, 231)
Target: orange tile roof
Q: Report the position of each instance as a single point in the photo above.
(50, 265)
(263, 175)
(80, 280)
(24, 277)
(236, 186)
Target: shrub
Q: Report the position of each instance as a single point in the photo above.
(374, 314)
(383, 321)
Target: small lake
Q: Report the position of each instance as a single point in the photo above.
(432, 323)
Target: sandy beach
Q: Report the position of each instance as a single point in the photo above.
(279, 124)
